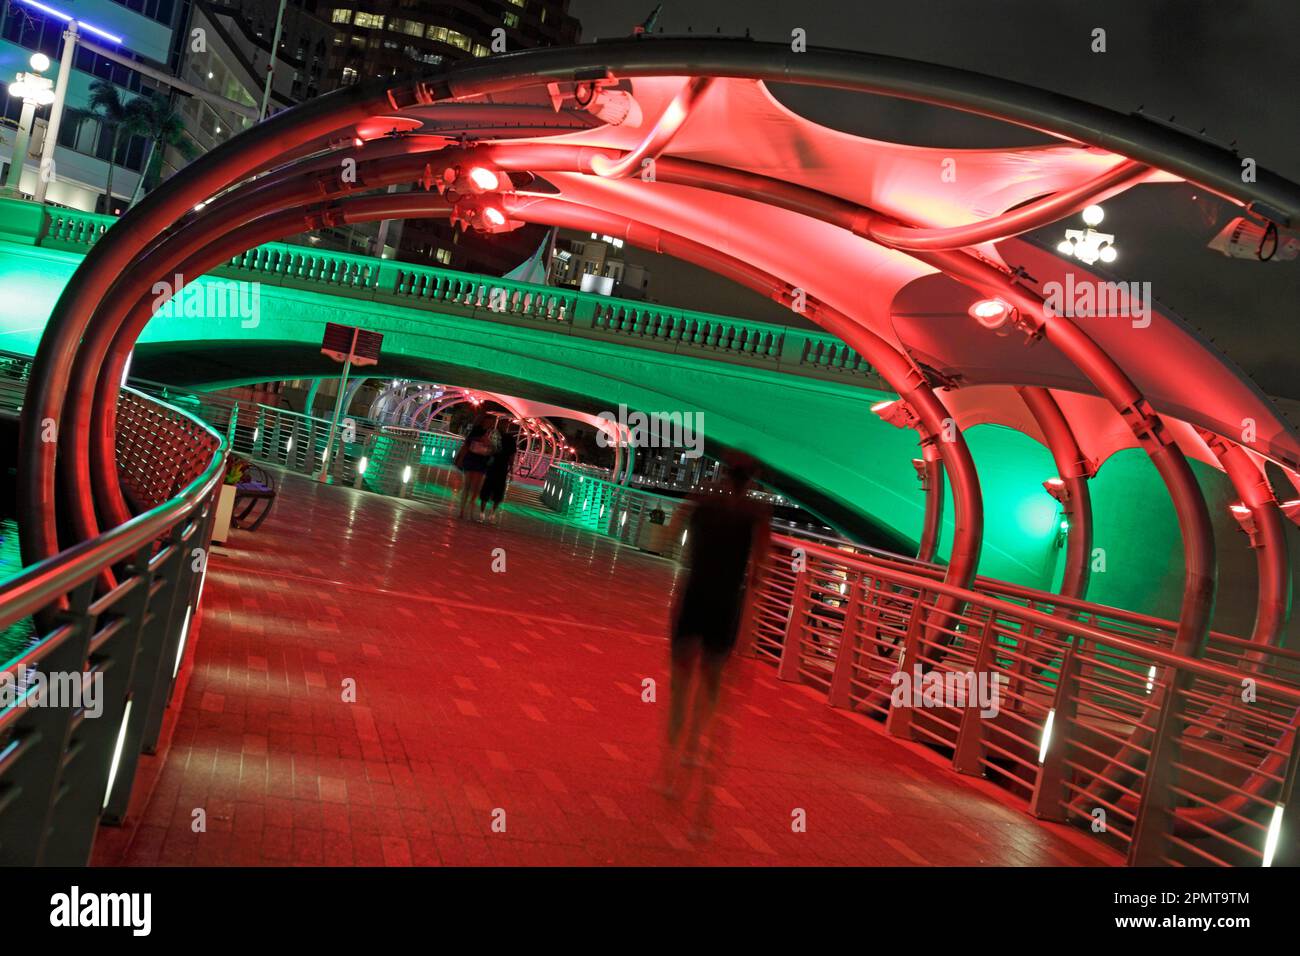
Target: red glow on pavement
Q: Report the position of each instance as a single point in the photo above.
(519, 690)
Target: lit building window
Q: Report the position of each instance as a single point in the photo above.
(481, 50)
(449, 36)
(511, 19)
(342, 16)
(375, 20)
(349, 75)
(444, 256)
(409, 27)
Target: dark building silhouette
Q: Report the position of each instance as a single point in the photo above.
(390, 39)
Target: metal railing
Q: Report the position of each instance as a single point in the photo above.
(88, 695)
(365, 454)
(807, 352)
(642, 519)
(1167, 758)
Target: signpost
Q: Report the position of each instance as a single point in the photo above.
(351, 346)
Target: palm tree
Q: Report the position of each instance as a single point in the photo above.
(107, 106)
(153, 117)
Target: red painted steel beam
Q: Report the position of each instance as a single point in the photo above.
(1074, 470)
(932, 484)
(48, 389)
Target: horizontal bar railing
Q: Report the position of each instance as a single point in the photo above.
(1159, 755)
(640, 518)
(365, 454)
(109, 620)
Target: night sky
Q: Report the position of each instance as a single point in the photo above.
(1230, 68)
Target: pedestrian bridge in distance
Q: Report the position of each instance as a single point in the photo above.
(797, 398)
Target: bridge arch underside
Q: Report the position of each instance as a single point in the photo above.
(879, 223)
(820, 443)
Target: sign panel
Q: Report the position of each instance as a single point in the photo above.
(338, 342)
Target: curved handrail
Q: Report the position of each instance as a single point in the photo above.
(1200, 667)
(36, 586)
(934, 570)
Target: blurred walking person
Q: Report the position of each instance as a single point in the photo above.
(497, 478)
(727, 539)
(472, 460)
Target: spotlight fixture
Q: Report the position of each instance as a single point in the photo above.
(483, 215)
(1245, 516)
(1000, 317)
(1062, 529)
(897, 413)
(1058, 489)
(458, 182)
(991, 313)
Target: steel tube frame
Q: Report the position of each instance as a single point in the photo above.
(101, 357)
(1073, 469)
(1141, 139)
(233, 242)
(902, 376)
(932, 484)
(1069, 119)
(1273, 602)
(660, 135)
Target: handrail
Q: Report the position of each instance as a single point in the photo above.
(1198, 666)
(981, 583)
(1122, 724)
(61, 773)
(34, 587)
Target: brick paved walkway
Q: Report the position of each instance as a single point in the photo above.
(516, 691)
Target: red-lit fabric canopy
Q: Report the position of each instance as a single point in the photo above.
(738, 124)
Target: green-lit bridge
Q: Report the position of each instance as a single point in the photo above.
(797, 397)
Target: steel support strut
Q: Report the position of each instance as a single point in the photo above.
(932, 484)
(310, 126)
(1074, 470)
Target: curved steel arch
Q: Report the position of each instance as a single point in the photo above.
(103, 308)
(309, 127)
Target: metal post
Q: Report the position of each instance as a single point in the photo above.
(968, 754)
(1049, 800)
(270, 64)
(117, 659)
(1157, 801)
(898, 720)
(792, 646)
(21, 145)
(46, 172)
(338, 401)
(841, 690)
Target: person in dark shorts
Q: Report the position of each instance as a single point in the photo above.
(472, 460)
(498, 474)
(727, 537)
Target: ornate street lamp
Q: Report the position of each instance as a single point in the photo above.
(35, 91)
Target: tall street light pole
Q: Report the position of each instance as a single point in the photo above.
(46, 172)
(35, 91)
